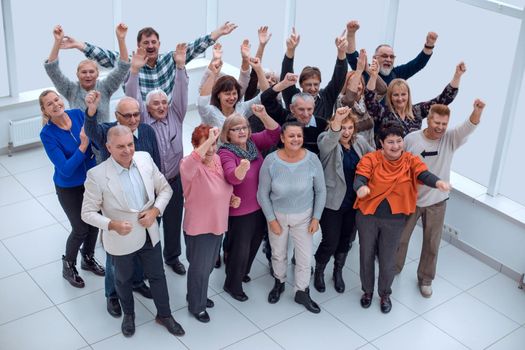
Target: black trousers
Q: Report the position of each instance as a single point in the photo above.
(338, 227)
(245, 234)
(151, 259)
(81, 234)
(382, 235)
(201, 251)
(171, 222)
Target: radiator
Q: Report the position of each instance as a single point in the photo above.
(23, 132)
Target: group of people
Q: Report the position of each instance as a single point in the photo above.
(270, 162)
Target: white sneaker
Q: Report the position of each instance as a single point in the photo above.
(426, 291)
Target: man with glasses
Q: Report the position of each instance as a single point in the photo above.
(385, 56)
(127, 113)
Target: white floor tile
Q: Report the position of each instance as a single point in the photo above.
(38, 181)
(3, 171)
(49, 278)
(227, 326)
(8, 264)
(406, 290)
(47, 329)
(38, 247)
(257, 341)
(305, 331)
(369, 323)
(20, 296)
(470, 321)
(147, 336)
(461, 269)
(513, 341)
(269, 314)
(89, 316)
(30, 159)
(503, 294)
(12, 191)
(418, 334)
(368, 347)
(23, 217)
(50, 202)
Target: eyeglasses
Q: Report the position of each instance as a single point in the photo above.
(239, 128)
(385, 56)
(128, 116)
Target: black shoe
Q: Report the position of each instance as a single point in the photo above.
(70, 273)
(339, 263)
(275, 293)
(366, 300)
(239, 297)
(178, 267)
(89, 263)
(319, 277)
(113, 307)
(202, 317)
(386, 304)
(303, 298)
(246, 279)
(171, 325)
(209, 302)
(218, 262)
(143, 290)
(128, 325)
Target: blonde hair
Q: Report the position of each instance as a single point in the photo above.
(351, 117)
(408, 107)
(43, 94)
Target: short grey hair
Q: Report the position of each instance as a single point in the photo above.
(304, 96)
(154, 92)
(117, 130)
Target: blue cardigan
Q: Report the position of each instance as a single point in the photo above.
(71, 165)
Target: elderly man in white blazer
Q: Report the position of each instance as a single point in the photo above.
(131, 193)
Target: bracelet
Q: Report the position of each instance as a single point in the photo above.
(429, 47)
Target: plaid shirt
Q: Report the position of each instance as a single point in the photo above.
(162, 75)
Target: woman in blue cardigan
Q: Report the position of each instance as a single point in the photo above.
(69, 149)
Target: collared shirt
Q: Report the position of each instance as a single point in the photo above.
(312, 122)
(161, 76)
(132, 185)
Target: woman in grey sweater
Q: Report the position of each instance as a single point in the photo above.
(87, 72)
(340, 149)
(292, 195)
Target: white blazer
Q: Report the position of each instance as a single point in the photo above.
(104, 193)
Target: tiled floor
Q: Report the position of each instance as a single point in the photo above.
(473, 306)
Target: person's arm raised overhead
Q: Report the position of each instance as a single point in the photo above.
(106, 58)
(63, 84)
(244, 73)
(410, 68)
(179, 96)
(351, 53)
(287, 65)
(264, 37)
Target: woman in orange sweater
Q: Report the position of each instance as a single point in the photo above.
(386, 186)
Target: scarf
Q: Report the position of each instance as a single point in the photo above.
(250, 153)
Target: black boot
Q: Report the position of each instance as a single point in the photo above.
(303, 298)
(89, 263)
(275, 293)
(319, 277)
(70, 273)
(339, 263)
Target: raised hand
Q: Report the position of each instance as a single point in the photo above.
(292, 42)
(341, 43)
(214, 134)
(259, 110)
(461, 68)
(84, 140)
(443, 186)
(431, 39)
(121, 31)
(255, 63)
(289, 80)
(363, 191)
(264, 35)
(215, 66)
(224, 29)
(92, 99)
(58, 33)
(179, 56)
(475, 116)
(479, 105)
(362, 61)
(71, 43)
(217, 51)
(373, 70)
(352, 27)
(138, 59)
(245, 49)
(341, 113)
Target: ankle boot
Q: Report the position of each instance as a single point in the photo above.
(303, 298)
(319, 277)
(89, 263)
(339, 263)
(275, 293)
(70, 273)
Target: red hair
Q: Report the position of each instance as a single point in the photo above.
(201, 132)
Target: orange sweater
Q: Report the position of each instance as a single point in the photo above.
(394, 180)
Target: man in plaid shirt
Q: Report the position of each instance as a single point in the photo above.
(159, 71)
